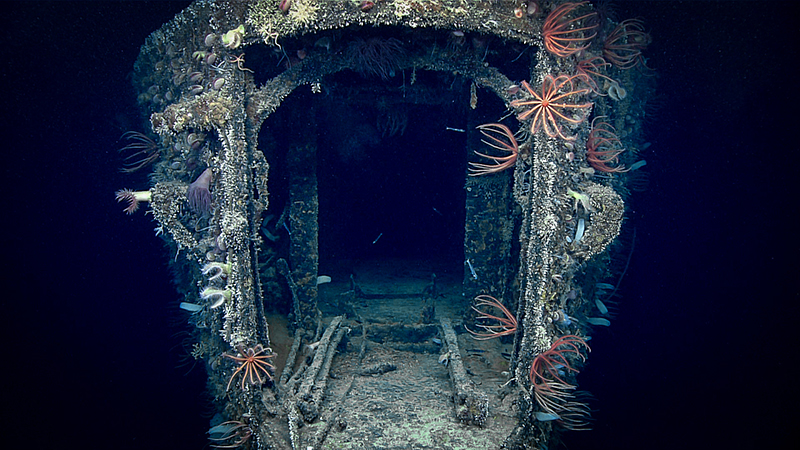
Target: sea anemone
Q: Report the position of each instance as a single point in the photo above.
(133, 198)
(581, 198)
(233, 38)
(216, 296)
(216, 270)
(198, 195)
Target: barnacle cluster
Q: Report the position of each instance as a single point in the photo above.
(605, 220)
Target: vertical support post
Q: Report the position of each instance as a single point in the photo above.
(488, 228)
(304, 227)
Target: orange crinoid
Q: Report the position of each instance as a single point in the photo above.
(553, 105)
(253, 364)
(624, 45)
(552, 392)
(507, 144)
(603, 147)
(564, 36)
(504, 326)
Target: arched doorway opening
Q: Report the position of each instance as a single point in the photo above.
(385, 146)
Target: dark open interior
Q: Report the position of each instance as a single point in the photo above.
(391, 167)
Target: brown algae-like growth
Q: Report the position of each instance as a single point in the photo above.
(259, 116)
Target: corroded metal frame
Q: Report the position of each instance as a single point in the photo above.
(231, 112)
